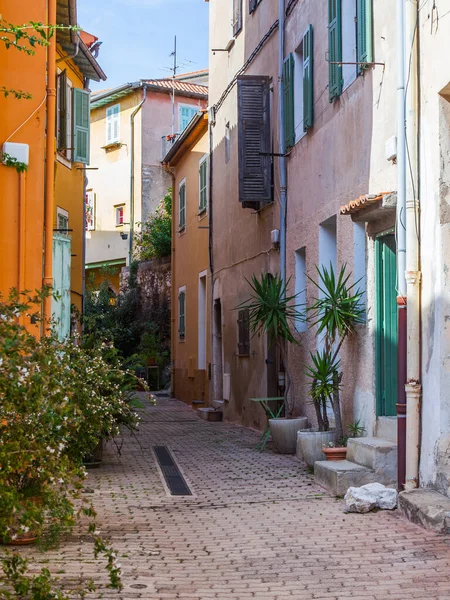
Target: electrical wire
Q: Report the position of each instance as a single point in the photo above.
(26, 120)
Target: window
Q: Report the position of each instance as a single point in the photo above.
(237, 17)
(182, 205)
(62, 220)
(182, 313)
(90, 211)
(255, 166)
(244, 332)
(349, 41)
(113, 124)
(64, 102)
(119, 215)
(186, 114)
(203, 183)
(300, 287)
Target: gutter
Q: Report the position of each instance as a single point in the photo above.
(282, 149)
(133, 115)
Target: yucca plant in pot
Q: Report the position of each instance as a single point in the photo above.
(273, 311)
(336, 311)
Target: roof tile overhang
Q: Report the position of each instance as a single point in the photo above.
(71, 42)
(370, 206)
(196, 129)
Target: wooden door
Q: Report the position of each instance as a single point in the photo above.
(61, 284)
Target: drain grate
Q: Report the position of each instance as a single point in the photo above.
(174, 479)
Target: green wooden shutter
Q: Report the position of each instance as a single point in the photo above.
(288, 86)
(255, 166)
(365, 39)
(334, 48)
(81, 121)
(61, 284)
(203, 196)
(308, 76)
(182, 200)
(244, 332)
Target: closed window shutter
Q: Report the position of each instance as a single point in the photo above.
(335, 48)
(255, 173)
(244, 332)
(62, 109)
(308, 76)
(116, 124)
(288, 86)
(182, 206)
(365, 40)
(182, 314)
(203, 170)
(237, 16)
(81, 120)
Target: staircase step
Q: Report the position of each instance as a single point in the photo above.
(386, 428)
(337, 476)
(443, 480)
(210, 414)
(427, 508)
(375, 454)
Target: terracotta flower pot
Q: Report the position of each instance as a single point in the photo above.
(335, 453)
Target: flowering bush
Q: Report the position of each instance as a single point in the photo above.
(57, 400)
(155, 237)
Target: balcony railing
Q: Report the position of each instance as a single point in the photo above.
(167, 141)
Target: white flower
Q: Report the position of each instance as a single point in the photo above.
(24, 528)
(51, 450)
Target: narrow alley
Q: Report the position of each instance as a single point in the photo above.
(256, 525)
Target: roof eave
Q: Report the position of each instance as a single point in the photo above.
(175, 152)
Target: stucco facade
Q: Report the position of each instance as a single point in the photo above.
(120, 175)
(191, 282)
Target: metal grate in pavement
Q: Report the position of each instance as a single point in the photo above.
(174, 479)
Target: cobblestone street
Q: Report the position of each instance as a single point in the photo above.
(256, 525)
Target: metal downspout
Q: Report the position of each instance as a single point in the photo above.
(282, 163)
(401, 247)
(172, 290)
(212, 372)
(50, 163)
(413, 274)
(133, 114)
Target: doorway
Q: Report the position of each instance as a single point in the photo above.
(202, 321)
(386, 337)
(217, 364)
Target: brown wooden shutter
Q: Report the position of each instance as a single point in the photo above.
(237, 16)
(255, 173)
(244, 332)
(62, 101)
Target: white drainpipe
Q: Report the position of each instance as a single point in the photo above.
(413, 275)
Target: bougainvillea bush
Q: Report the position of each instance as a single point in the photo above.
(57, 400)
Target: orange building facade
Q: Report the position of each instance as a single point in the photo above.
(44, 206)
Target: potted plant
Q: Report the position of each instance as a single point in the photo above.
(336, 312)
(272, 311)
(338, 450)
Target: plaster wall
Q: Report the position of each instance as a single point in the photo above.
(190, 259)
(241, 237)
(435, 243)
(340, 158)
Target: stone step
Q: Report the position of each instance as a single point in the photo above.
(337, 476)
(443, 480)
(210, 414)
(386, 428)
(427, 508)
(376, 454)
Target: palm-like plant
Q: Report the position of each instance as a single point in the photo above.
(273, 311)
(336, 312)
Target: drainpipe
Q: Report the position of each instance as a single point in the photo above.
(172, 290)
(282, 163)
(22, 233)
(50, 162)
(401, 246)
(212, 372)
(133, 114)
(413, 274)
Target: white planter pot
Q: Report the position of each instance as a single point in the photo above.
(310, 444)
(284, 433)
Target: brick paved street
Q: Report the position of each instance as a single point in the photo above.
(256, 526)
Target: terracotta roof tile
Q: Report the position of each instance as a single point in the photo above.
(362, 202)
(181, 86)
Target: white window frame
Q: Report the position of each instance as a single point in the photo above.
(65, 157)
(90, 204)
(181, 290)
(116, 213)
(300, 287)
(298, 94)
(61, 213)
(191, 107)
(180, 185)
(349, 43)
(203, 160)
(111, 112)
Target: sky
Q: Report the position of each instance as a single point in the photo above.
(138, 37)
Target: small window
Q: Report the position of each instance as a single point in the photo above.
(186, 114)
(62, 221)
(182, 205)
(113, 124)
(90, 211)
(119, 215)
(203, 184)
(182, 313)
(244, 332)
(237, 17)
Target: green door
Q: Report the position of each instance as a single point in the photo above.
(61, 284)
(386, 325)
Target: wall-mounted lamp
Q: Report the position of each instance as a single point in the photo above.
(124, 235)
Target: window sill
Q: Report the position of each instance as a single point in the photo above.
(181, 339)
(202, 212)
(112, 146)
(182, 229)
(63, 160)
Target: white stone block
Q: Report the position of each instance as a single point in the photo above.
(370, 496)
